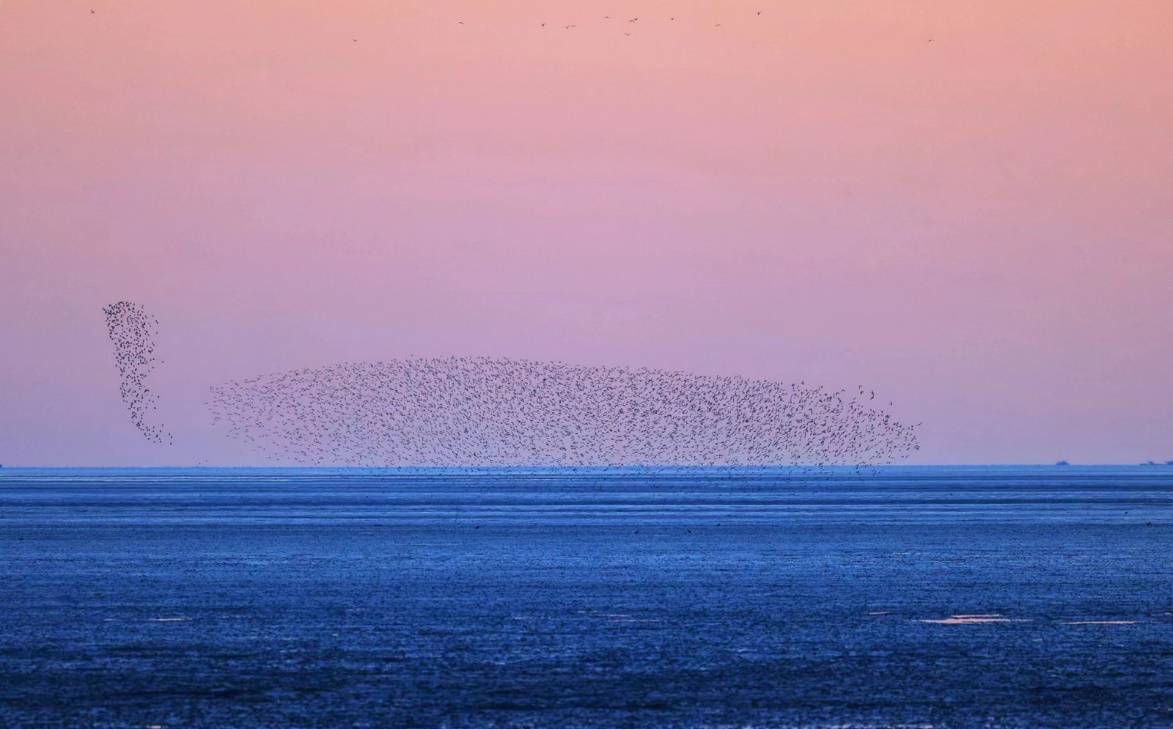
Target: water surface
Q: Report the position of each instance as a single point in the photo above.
(905, 596)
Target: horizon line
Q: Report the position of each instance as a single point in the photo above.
(533, 467)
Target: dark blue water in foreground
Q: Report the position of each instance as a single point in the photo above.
(692, 599)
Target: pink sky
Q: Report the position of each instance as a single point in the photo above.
(965, 205)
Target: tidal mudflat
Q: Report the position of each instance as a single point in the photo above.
(945, 597)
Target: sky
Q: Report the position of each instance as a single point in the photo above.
(965, 206)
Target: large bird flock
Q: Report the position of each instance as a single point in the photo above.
(476, 411)
(132, 332)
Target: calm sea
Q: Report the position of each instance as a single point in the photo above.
(945, 597)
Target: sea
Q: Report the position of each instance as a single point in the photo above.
(920, 597)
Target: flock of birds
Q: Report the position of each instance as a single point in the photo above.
(632, 22)
(132, 332)
(478, 411)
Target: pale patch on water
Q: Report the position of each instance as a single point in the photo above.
(446, 725)
(613, 617)
(168, 620)
(626, 618)
(871, 726)
(973, 619)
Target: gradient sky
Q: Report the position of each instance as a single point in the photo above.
(965, 205)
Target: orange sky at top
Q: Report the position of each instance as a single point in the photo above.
(968, 206)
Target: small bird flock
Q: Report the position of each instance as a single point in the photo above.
(629, 24)
(480, 411)
(132, 332)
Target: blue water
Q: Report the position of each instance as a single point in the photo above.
(662, 598)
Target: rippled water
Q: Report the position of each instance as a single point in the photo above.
(913, 596)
